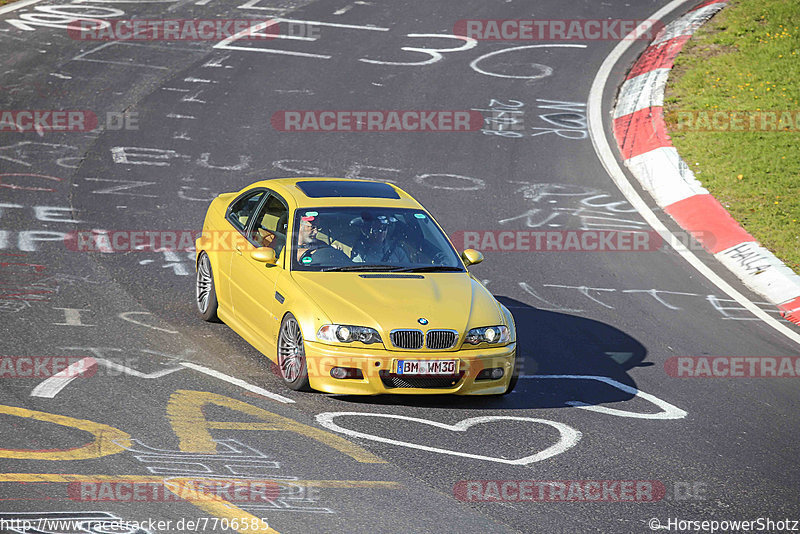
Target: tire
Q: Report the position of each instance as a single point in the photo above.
(292, 355)
(514, 379)
(206, 291)
(512, 383)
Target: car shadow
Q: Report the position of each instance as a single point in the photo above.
(549, 343)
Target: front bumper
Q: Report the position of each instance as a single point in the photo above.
(321, 358)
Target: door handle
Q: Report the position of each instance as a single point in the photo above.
(239, 250)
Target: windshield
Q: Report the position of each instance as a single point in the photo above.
(364, 239)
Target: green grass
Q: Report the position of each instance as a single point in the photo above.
(747, 58)
(4, 2)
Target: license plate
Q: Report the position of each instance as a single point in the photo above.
(427, 367)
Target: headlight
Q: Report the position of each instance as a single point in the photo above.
(341, 333)
(488, 334)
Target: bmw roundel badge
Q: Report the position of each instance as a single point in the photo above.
(422, 320)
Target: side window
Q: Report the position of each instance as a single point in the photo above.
(271, 222)
(241, 210)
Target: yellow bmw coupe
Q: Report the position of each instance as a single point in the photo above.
(351, 287)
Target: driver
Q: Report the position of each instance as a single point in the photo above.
(375, 246)
(307, 241)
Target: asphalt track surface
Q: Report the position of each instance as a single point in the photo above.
(723, 449)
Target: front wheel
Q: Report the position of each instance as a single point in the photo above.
(205, 291)
(292, 355)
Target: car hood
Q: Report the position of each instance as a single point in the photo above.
(386, 301)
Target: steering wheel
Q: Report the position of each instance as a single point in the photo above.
(313, 247)
(306, 254)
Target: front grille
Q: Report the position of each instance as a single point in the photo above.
(440, 339)
(391, 380)
(406, 339)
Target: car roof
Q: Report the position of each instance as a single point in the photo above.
(310, 192)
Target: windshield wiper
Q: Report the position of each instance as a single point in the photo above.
(364, 267)
(432, 269)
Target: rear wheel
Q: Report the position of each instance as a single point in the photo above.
(292, 355)
(206, 292)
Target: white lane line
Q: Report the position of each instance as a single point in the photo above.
(609, 161)
(237, 382)
(16, 5)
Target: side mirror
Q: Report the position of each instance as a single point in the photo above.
(265, 255)
(471, 257)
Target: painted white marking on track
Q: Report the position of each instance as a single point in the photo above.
(252, 4)
(334, 24)
(18, 5)
(237, 382)
(546, 71)
(126, 316)
(193, 98)
(434, 53)
(609, 161)
(51, 386)
(345, 9)
(217, 63)
(568, 437)
(669, 411)
(82, 57)
(225, 44)
(133, 372)
(72, 317)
